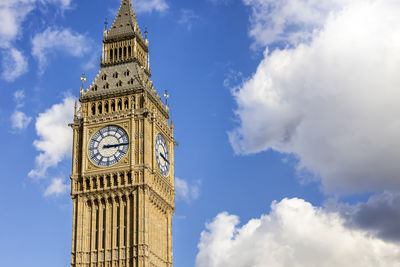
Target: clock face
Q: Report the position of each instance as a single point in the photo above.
(108, 146)
(162, 155)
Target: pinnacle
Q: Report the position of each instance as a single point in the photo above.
(125, 22)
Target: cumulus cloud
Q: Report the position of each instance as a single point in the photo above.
(148, 6)
(294, 233)
(55, 137)
(187, 18)
(186, 191)
(331, 101)
(52, 40)
(14, 64)
(56, 188)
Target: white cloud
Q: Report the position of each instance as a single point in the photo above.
(232, 77)
(12, 16)
(187, 18)
(56, 188)
(289, 21)
(148, 6)
(294, 234)
(55, 137)
(14, 64)
(186, 191)
(19, 96)
(19, 120)
(333, 102)
(62, 4)
(53, 40)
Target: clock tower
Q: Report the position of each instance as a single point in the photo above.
(122, 181)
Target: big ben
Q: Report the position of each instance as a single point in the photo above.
(122, 181)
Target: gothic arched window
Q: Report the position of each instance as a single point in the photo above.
(106, 109)
(113, 106)
(100, 108)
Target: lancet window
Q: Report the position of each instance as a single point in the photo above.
(119, 104)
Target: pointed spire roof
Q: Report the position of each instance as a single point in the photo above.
(125, 23)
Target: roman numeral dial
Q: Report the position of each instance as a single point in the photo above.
(162, 155)
(108, 146)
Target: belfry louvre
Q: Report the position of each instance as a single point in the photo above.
(122, 181)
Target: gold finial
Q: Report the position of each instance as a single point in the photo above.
(105, 24)
(166, 95)
(83, 79)
(145, 33)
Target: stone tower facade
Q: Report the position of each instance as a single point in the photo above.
(122, 181)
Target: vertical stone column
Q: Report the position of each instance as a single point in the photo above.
(75, 149)
(142, 227)
(153, 136)
(141, 138)
(103, 49)
(132, 142)
(87, 221)
(118, 55)
(113, 232)
(135, 228)
(78, 245)
(121, 228)
(105, 53)
(74, 230)
(128, 229)
(84, 161)
(169, 238)
(100, 249)
(135, 48)
(108, 243)
(92, 230)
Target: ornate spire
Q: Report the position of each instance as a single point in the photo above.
(124, 42)
(125, 24)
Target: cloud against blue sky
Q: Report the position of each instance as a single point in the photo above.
(294, 233)
(331, 101)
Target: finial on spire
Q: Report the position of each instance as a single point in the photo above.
(166, 95)
(105, 24)
(145, 33)
(83, 79)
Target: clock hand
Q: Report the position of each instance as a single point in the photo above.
(161, 154)
(115, 145)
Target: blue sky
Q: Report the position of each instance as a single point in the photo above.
(286, 114)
